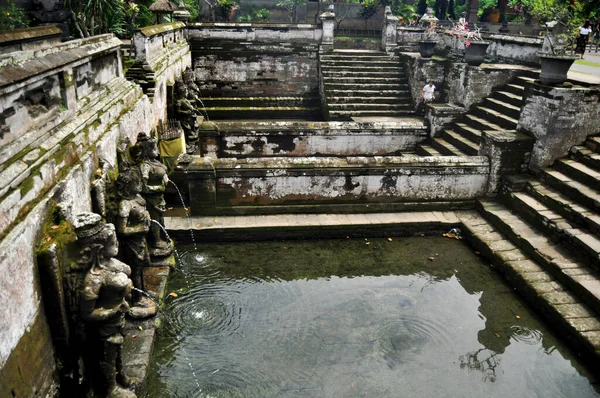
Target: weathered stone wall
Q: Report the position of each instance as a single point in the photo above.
(272, 60)
(231, 186)
(456, 83)
(508, 49)
(558, 118)
(408, 38)
(467, 85)
(420, 71)
(313, 138)
(64, 108)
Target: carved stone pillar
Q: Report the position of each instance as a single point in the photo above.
(328, 25)
(388, 33)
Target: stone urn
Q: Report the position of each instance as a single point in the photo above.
(475, 52)
(426, 48)
(554, 68)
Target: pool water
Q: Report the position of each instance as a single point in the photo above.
(401, 317)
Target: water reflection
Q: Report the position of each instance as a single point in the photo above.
(341, 318)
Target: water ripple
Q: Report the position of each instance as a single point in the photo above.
(525, 335)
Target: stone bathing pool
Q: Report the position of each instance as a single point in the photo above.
(405, 317)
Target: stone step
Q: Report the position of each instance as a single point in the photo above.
(509, 98)
(468, 132)
(373, 100)
(364, 86)
(579, 171)
(361, 68)
(371, 94)
(477, 123)
(344, 115)
(503, 107)
(355, 57)
(584, 245)
(463, 144)
(368, 106)
(582, 280)
(445, 148)
(258, 101)
(497, 118)
(580, 193)
(426, 150)
(514, 88)
(564, 205)
(365, 80)
(593, 144)
(358, 63)
(257, 112)
(327, 74)
(586, 156)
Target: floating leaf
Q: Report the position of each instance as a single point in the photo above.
(169, 208)
(518, 317)
(496, 334)
(477, 253)
(134, 336)
(389, 239)
(431, 258)
(141, 328)
(347, 237)
(173, 294)
(368, 243)
(54, 227)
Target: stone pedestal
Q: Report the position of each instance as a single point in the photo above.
(328, 25)
(388, 33)
(508, 153)
(440, 115)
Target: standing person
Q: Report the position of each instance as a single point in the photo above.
(428, 92)
(595, 36)
(582, 40)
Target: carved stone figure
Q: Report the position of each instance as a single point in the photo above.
(154, 183)
(133, 224)
(187, 113)
(103, 298)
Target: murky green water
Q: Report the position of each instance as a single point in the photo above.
(343, 318)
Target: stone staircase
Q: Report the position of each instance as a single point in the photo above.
(362, 83)
(500, 112)
(555, 221)
(261, 108)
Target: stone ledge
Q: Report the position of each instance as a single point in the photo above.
(156, 30)
(25, 34)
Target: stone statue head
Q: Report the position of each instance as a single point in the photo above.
(146, 146)
(188, 76)
(97, 239)
(129, 183)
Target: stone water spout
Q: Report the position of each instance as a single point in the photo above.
(103, 301)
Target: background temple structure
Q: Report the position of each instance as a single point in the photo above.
(292, 137)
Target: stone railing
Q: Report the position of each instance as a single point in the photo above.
(270, 32)
(161, 54)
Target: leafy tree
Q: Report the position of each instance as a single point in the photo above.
(291, 6)
(12, 17)
(368, 9)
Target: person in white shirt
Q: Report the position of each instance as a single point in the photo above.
(428, 92)
(582, 40)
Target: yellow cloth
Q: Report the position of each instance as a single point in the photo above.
(172, 148)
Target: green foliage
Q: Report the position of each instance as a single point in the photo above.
(485, 4)
(368, 9)
(406, 11)
(262, 15)
(12, 17)
(223, 8)
(290, 6)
